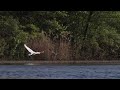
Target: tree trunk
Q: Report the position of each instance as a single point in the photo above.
(87, 24)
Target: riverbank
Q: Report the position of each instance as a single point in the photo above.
(115, 62)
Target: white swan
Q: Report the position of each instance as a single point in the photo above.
(31, 51)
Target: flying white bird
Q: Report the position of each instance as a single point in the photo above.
(31, 51)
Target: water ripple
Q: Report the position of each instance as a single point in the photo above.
(60, 72)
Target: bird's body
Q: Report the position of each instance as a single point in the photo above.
(31, 51)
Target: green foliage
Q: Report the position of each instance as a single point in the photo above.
(91, 34)
(2, 46)
(31, 28)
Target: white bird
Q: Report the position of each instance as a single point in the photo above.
(31, 51)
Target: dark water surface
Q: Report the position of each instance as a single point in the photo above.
(59, 72)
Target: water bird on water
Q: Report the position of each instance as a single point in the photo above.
(31, 51)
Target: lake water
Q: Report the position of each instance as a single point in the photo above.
(59, 72)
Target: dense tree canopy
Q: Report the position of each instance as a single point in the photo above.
(72, 35)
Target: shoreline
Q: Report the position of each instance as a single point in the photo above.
(115, 62)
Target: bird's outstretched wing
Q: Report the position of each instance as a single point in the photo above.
(30, 50)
